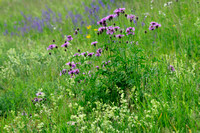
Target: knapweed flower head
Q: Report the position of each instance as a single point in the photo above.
(119, 10)
(94, 43)
(171, 68)
(98, 54)
(130, 31)
(154, 25)
(119, 36)
(40, 94)
(69, 38)
(71, 64)
(110, 30)
(90, 54)
(63, 72)
(102, 29)
(131, 17)
(65, 44)
(97, 67)
(76, 71)
(99, 50)
(77, 54)
(102, 22)
(84, 54)
(110, 17)
(36, 99)
(116, 27)
(51, 46)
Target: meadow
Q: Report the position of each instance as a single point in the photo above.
(100, 66)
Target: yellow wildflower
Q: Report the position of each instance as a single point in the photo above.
(174, 25)
(95, 29)
(88, 36)
(89, 26)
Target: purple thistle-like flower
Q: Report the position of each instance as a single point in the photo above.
(65, 44)
(151, 27)
(116, 27)
(90, 54)
(51, 46)
(94, 43)
(76, 71)
(153, 23)
(110, 30)
(99, 50)
(97, 67)
(131, 17)
(69, 38)
(171, 68)
(36, 99)
(119, 10)
(71, 72)
(69, 63)
(24, 113)
(84, 53)
(73, 66)
(102, 29)
(77, 54)
(97, 54)
(63, 72)
(119, 36)
(39, 93)
(110, 17)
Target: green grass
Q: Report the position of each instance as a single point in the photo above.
(136, 92)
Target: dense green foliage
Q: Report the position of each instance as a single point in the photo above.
(133, 89)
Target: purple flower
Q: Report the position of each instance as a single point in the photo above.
(69, 38)
(76, 71)
(131, 17)
(94, 43)
(171, 68)
(63, 72)
(116, 27)
(101, 29)
(97, 67)
(119, 10)
(24, 113)
(73, 66)
(110, 30)
(153, 23)
(129, 31)
(65, 44)
(71, 72)
(39, 93)
(151, 27)
(97, 54)
(51, 46)
(84, 53)
(110, 17)
(119, 36)
(99, 50)
(77, 54)
(90, 54)
(69, 63)
(102, 22)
